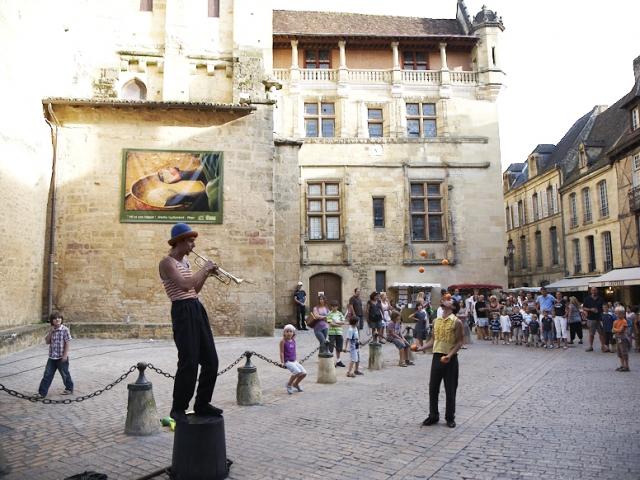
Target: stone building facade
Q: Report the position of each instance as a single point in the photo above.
(534, 253)
(399, 136)
(598, 229)
(153, 75)
(396, 165)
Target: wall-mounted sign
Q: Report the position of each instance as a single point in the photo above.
(167, 186)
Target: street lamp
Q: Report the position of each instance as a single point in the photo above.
(510, 251)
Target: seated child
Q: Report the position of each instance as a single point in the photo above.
(394, 335)
(288, 358)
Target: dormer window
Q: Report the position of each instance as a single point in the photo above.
(635, 118)
(582, 157)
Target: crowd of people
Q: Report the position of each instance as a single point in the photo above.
(546, 320)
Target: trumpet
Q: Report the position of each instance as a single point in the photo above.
(220, 274)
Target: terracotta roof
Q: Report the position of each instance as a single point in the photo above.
(289, 22)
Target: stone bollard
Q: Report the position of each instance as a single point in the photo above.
(199, 449)
(4, 463)
(375, 355)
(248, 391)
(142, 414)
(326, 368)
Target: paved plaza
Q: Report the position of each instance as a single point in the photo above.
(522, 413)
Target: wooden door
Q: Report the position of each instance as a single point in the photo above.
(328, 283)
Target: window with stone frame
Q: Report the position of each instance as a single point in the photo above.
(378, 212)
(375, 122)
(583, 161)
(587, 216)
(608, 251)
(534, 207)
(604, 199)
(553, 240)
(317, 58)
(213, 8)
(146, 5)
(320, 119)
(635, 165)
(538, 238)
(415, 60)
(577, 261)
(427, 211)
(421, 120)
(591, 253)
(507, 214)
(573, 209)
(524, 260)
(522, 212)
(635, 118)
(324, 210)
(551, 201)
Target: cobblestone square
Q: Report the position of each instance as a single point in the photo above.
(521, 413)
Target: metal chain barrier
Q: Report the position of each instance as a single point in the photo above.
(310, 355)
(237, 361)
(268, 360)
(67, 401)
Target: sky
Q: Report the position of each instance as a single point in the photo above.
(561, 58)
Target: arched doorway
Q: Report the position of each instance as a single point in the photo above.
(134, 89)
(328, 283)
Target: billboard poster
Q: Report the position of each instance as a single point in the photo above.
(168, 186)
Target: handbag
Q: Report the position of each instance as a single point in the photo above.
(311, 320)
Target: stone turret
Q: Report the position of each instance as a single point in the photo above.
(487, 25)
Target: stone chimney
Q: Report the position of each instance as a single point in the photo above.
(636, 68)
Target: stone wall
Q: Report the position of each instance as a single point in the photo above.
(287, 223)
(106, 271)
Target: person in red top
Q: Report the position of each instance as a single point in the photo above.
(622, 339)
(191, 328)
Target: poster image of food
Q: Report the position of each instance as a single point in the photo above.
(167, 186)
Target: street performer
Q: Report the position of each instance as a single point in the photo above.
(447, 339)
(191, 328)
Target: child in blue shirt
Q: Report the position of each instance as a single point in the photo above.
(534, 331)
(495, 327)
(547, 329)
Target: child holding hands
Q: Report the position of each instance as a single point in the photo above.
(288, 358)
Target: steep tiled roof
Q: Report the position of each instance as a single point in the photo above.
(608, 127)
(544, 148)
(290, 22)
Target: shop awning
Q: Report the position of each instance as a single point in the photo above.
(523, 289)
(620, 277)
(474, 286)
(576, 284)
(414, 285)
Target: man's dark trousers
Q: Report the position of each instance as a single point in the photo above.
(301, 312)
(449, 373)
(194, 340)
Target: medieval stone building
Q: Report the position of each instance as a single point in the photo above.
(386, 136)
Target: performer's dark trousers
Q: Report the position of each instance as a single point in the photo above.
(449, 373)
(300, 314)
(193, 337)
